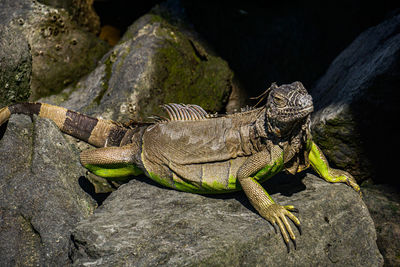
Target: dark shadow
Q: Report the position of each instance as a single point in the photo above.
(377, 115)
(3, 129)
(120, 13)
(89, 188)
(275, 41)
(282, 183)
(286, 184)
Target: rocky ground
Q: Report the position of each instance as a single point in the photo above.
(52, 52)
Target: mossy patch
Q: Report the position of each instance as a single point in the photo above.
(183, 74)
(16, 67)
(106, 78)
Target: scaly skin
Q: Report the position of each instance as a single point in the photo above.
(258, 196)
(321, 166)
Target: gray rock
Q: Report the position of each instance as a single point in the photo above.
(356, 104)
(142, 224)
(383, 203)
(15, 59)
(61, 51)
(40, 197)
(154, 63)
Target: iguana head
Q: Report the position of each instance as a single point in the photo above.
(288, 107)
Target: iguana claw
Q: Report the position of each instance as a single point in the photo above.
(350, 181)
(276, 215)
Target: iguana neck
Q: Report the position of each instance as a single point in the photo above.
(292, 141)
(295, 153)
(285, 133)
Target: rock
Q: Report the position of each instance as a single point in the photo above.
(40, 197)
(61, 51)
(82, 12)
(153, 64)
(356, 105)
(15, 60)
(383, 203)
(144, 224)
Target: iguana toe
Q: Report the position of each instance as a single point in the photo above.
(276, 214)
(291, 208)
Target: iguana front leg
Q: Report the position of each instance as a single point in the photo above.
(321, 166)
(261, 200)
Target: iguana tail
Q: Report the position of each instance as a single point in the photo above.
(97, 132)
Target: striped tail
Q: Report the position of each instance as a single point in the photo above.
(94, 131)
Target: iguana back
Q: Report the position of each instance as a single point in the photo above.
(202, 154)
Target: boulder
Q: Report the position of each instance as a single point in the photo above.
(383, 202)
(147, 225)
(356, 104)
(15, 58)
(40, 197)
(153, 64)
(51, 50)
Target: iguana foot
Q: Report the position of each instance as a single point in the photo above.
(340, 176)
(276, 215)
(321, 166)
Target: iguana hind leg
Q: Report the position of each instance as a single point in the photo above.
(261, 200)
(321, 166)
(111, 162)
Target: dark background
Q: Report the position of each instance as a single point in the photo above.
(268, 41)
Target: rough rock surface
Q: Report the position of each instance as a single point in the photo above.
(153, 64)
(61, 51)
(356, 104)
(144, 224)
(81, 11)
(40, 197)
(15, 60)
(383, 203)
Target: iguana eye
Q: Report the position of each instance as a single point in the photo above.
(279, 101)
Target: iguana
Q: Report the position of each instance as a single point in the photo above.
(193, 151)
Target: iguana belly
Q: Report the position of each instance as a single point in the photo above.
(206, 178)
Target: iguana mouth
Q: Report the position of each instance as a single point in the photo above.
(287, 116)
(307, 110)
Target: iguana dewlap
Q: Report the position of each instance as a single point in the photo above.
(193, 151)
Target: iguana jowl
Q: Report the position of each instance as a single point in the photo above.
(194, 152)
